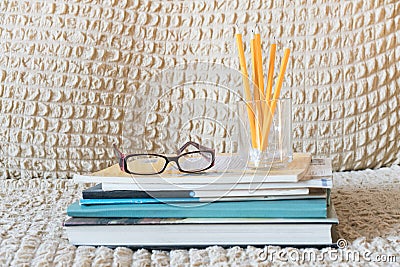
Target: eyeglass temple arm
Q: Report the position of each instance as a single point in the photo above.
(196, 145)
(120, 157)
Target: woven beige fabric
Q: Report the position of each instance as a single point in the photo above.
(32, 213)
(68, 69)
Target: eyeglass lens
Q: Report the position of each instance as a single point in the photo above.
(195, 161)
(151, 164)
(145, 164)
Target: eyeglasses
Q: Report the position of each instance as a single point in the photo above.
(145, 164)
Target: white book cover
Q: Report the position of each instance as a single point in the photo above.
(201, 231)
(324, 182)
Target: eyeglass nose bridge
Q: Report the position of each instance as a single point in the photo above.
(173, 159)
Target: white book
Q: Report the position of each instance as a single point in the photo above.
(319, 167)
(325, 182)
(214, 234)
(248, 193)
(201, 231)
(239, 193)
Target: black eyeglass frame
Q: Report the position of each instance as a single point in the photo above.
(122, 158)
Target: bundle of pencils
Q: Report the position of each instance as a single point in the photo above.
(263, 97)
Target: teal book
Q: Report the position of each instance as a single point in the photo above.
(304, 208)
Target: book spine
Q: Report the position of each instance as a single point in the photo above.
(328, 197)
(100, 194)
(202, 214)
(108, 201)
(315, 208)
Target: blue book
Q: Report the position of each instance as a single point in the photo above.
(305, 208)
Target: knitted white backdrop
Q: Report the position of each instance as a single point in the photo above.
(69, 68)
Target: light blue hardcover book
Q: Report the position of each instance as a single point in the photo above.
(307, 208)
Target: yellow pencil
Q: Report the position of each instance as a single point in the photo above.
(260, 76)
(247, 92)
(281, 73)
(277, 91)
(260, 71)
(256, 92)
(271, 66)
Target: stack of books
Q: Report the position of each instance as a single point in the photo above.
(223, 206)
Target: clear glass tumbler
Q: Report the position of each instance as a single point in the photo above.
(265, 133)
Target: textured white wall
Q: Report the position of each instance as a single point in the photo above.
(69, 70)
